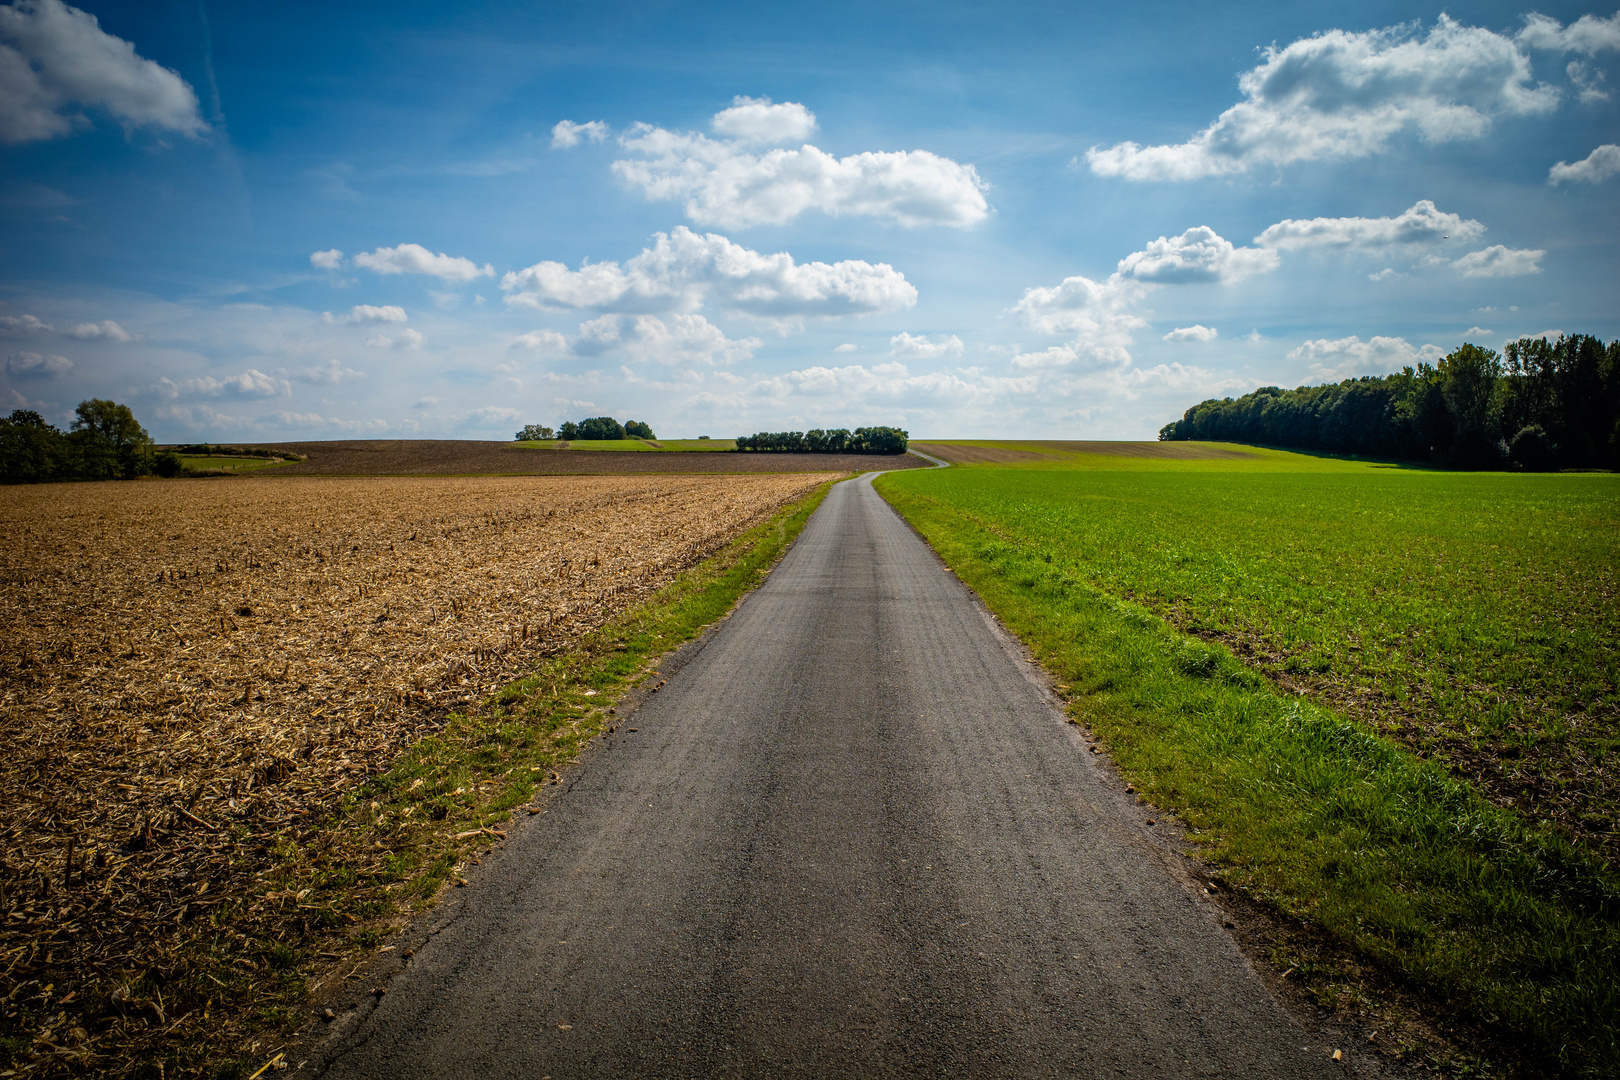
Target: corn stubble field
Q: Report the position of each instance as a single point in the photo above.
(192, 669)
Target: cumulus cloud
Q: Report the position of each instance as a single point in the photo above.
(28, 365)
(1343, 95)
(17, 325)
(366, 314)
(1098, 317)
(55, 60)
(416, 259)
(682, 340)
(330, 373)
(1420, 225)
(405, 339)
(882, 383)
(1478, 331)
(1594, 168)
(907, 347)
(1198, 255)
(498, 415)
(726, 184)
(251, 383)
(106, 330)
(1347, 358)
(1588, 80)
(845, 347)
(1195, 332)
(1589, 35)
(756, 120)
(684, 270)
(1499, 261)
(326, 260)
(566, 134)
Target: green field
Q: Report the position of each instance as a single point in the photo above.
(632, 444)
(1385, 699)
(234, 464)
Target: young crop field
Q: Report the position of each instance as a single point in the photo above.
(193, 669)
(1467, 623)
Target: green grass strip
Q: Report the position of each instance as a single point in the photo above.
(1506, 924)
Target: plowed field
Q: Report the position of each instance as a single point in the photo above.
(189, 668)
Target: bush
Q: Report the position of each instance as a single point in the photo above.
(106, 443)
(167, 464)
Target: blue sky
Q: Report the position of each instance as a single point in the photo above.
(261, 222)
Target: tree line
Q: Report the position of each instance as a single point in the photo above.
(105, 442)
(866, 440)
(1542, 404)
(596, 427)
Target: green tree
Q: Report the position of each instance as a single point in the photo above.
(601, 427)
(1470, 384)
(112, 441)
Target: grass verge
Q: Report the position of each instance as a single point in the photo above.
(1503, 924)
(340, 885)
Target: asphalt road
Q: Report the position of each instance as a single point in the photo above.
(852, 837)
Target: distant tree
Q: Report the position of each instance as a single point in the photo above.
(112, 441)
(872, 440)
(32, 450)
(167, 464)
(534, 433)
(1544, 404)
(568, 430)
(636, 429)
(601, 427)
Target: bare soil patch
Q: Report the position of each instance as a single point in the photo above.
(190, 670)
(465, 457)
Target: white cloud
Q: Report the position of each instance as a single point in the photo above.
(316, 420)
(1347, 358)
(1421, 224)
(405, 339)
(1195, 332)
(366, 314)
(1198, 255)
(884, 383)
(1499, 261)
(756, 120)
(725, 184)
(1590, 34)
(427, 402)
(845, 347)
(1478, 331)
(23, 324)
(416, 259)
(543, 341)
(55, 59)
(105, 330)
(1588, 80)
(331, 373)
(1098, 317)
(27, 365)
(493, 414)
(1380, 275)
(1342, 94)
(921, 347)
(1594, 168)
(326, 260)
(251, 383)
(683, 270)
(566, 134)
(682, 340)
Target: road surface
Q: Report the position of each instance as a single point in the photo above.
(852, 837)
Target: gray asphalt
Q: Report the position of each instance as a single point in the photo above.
(853, 836)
